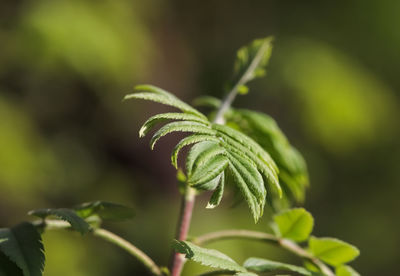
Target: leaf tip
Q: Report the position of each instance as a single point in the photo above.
(210, 206)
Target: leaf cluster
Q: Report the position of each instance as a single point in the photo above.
(290, 226)
(217, 150)
(21, 247)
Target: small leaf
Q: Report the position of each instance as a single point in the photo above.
(254, 203)
(23, 245)
(243, 89)
(209, 171)
(194, 153)
(184, 126)
(263, 265)
(251, 61)
(245, 274)
(207, 257)
(216, 197)
(156, 94)
(105, 210)
(152, 121)
(295, 224)
(206, 156)
(332, 251)
(346, 270)
(193, 139)
(77, 223)
(250, 174)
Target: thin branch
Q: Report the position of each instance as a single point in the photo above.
(110, 237)
(130, 248)
(235, 234)
(265, 237)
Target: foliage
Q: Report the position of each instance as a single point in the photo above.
(290, 226)
(22, 244)
(229, 146)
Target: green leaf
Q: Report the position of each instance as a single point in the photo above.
(152, 121)
(205, 157)
(194, 153)
(210, 171)
(243, 145)
(332, 251)
(243, 89)
(216, 197)
(250, 174)
(77, 223)
(265, 131)
(105, 210)
(247, 142)
(23, 245)
(254, 203)
(215, 147)
(346, 270)
(184, 126)
(193, 139)
(156, 94)
(263, 265)
(251, 62)
(207, 257)
(245, 274)
(7, 267)
(295, 224)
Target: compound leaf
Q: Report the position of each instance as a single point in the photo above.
(22, 244)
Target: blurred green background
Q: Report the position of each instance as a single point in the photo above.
(66, 138)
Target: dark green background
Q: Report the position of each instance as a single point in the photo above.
(65, 136)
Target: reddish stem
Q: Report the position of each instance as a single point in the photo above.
(183, 229)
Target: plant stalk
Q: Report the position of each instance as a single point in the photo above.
(185, 217)
(110, 237)
(265, 237)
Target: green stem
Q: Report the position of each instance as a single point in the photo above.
(130, 248)
(264, 237)
(110, 237)
(230, 97)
